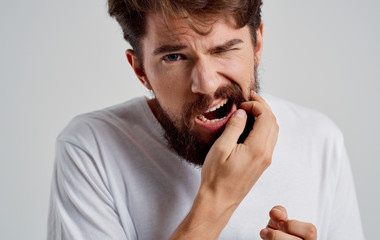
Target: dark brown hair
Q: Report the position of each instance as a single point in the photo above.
(131, 15)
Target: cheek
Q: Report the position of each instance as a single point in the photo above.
(168, 78)
(169, 91)
(240, 70)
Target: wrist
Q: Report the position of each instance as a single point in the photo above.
(207, 217)
(215, 206)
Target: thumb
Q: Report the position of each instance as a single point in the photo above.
(228, 140)
(277, 214)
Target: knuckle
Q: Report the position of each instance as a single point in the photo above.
(220, 149)
(272, 235)
(254, 104)
(262, 153)
(275, 121)
(259, 151)
(273, 118)
(311, 231)
(267, 162)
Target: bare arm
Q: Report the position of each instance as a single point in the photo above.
(230, 171)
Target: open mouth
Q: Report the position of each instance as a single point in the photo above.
(217, 113)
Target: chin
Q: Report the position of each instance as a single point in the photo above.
(208, 138)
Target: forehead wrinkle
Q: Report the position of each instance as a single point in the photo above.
(210, 42)
(179, 36)
(186, 40)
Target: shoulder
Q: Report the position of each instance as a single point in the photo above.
(103, 123)
(308, 139)
(298, 120)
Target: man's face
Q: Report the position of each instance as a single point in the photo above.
(198, 81)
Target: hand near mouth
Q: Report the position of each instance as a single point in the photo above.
(231, 170)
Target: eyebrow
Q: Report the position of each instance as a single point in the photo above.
(167, 48)
(227, 45)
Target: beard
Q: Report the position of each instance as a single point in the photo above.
(180, 135)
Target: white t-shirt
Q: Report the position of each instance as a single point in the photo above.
(115, 178)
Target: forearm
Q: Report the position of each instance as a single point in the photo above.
(206, 219)
(230, 170)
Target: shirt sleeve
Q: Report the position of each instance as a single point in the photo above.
(81, 205)
(345, 218)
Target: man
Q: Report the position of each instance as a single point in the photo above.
(127, 172)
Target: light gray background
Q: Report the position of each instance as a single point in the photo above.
(62, 58)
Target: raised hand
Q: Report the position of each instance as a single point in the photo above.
(231, 170)
(281, 228)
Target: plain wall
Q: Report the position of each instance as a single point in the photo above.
(62, 58)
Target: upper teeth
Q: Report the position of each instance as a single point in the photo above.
(221, 104)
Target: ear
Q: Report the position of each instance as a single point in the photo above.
(132, 59)
(259, 43)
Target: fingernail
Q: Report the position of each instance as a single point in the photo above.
(253, 92)
(240, 113)
(264, 233)
(279, 211)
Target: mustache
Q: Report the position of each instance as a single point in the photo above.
(232, 92)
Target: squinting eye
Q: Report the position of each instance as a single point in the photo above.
(173, 57)
(225, 50)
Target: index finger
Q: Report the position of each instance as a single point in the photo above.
(303, 230)
(265, 128)
(256, 97)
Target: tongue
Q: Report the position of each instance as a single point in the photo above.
(210, 115)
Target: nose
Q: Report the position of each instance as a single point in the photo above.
(205, 79)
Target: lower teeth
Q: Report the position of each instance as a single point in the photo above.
(201, 117)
